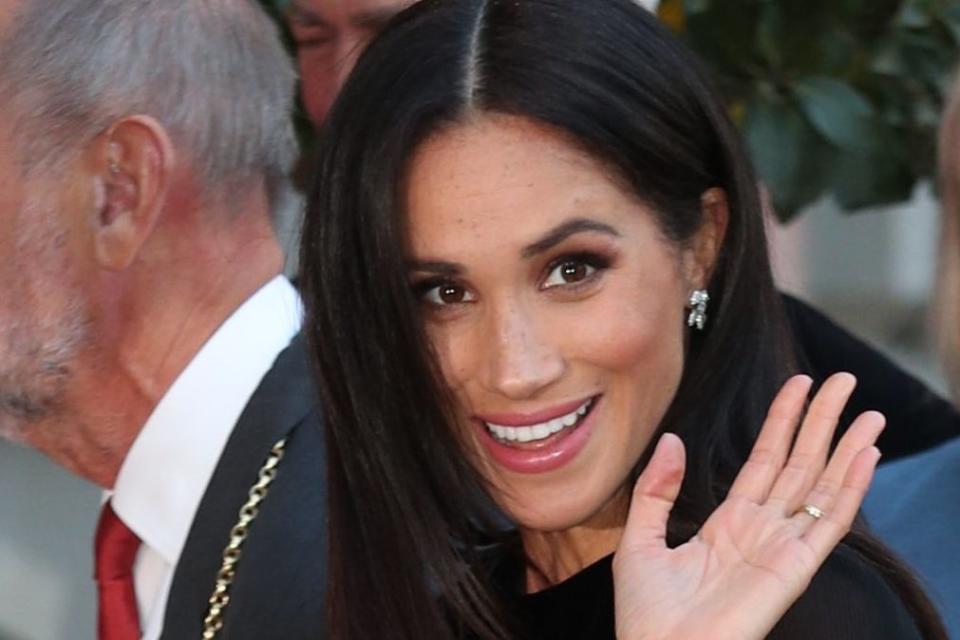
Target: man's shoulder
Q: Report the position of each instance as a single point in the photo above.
(280, 576)
(280, 434)
(913, 507)
(279, 581)
(919, 484)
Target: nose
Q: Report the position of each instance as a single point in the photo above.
(523, 357)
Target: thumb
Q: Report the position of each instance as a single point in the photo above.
(654, 494)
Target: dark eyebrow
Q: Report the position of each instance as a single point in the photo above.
(549, 240)
(302, 15)
(449, 269)
(563, 231)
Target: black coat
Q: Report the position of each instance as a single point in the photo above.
(279, 587)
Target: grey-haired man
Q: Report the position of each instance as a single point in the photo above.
(148, 342)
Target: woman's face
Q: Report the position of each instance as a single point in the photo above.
(556, 308)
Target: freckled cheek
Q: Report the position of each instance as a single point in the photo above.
(456, 353)
(634, 356)
(458, 356)
(623, 331)
(643, 365)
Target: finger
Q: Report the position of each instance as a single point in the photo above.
(862, 434)
(827, 532)
(654, 494)
(809, 453)
(773, 444)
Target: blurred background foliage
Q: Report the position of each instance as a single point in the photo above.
(835, 97)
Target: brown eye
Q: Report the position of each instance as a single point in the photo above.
(451, 295)
(569, 271)
(573, 271)
(446, 294)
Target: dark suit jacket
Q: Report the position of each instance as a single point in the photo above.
(917, 418)
(279, 587)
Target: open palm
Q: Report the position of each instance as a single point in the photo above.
(759, 550)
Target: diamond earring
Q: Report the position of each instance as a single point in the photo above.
(698, 309)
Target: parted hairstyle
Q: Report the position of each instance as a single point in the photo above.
(406, 509)
(213, 72)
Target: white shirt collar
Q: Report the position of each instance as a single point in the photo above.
(166, 471)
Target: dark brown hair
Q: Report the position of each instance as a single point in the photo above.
(406, 508)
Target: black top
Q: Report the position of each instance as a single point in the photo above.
(845, 601)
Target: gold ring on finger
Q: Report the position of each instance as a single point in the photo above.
(814, 512)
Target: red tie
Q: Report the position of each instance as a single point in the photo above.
(116, 549)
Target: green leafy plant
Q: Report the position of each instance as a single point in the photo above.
(838, 97)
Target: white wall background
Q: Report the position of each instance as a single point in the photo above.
(47, 519)
(873, 271)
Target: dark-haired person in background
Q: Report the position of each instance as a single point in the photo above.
(330, 35)
(545, 259)
(147, 338)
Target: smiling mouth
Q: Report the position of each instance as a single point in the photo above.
(538, 432)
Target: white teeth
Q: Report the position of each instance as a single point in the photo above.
(539, 431)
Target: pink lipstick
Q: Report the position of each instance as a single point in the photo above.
(541, 441)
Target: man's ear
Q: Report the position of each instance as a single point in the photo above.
(704, 248)
(134, 165)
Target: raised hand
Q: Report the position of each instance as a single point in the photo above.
(786, 511)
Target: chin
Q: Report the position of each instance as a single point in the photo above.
(555, 513)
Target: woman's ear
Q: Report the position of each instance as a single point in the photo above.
(704, 248)
(134, 164)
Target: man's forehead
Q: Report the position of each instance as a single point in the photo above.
(324, 8)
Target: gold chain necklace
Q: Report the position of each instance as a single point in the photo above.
(213, 623)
